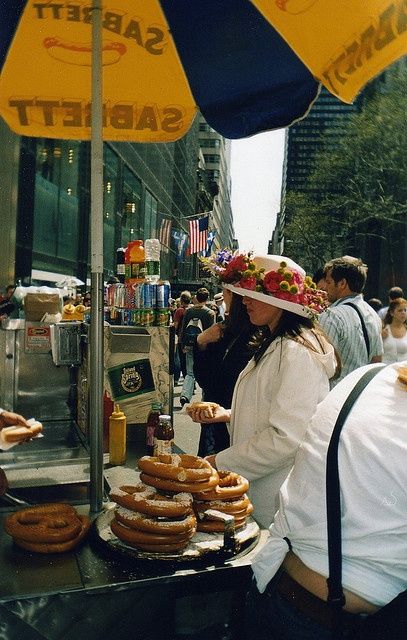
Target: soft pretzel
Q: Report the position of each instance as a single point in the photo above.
(146, 500)
(140, 522)
(48, 528)
(184, 468)
(149, 541)
(230, 486)
(402, 374)
(175, 486)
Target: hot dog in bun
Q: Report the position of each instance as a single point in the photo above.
(81, 54)
(20, 434)
(208, 407)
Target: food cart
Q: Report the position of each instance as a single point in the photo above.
(97, 589)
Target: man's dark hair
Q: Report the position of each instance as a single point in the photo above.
(350, 269)
(395, 292)
(185, 297)
(202, 294)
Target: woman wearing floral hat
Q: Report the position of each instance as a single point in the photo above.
(278, 391)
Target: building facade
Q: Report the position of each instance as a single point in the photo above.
(45, 203)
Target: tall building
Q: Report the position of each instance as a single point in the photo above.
(303, 141)
(216, 152)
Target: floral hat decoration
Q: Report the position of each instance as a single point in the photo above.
(275, 280)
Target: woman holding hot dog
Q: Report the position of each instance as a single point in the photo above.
(278, 391)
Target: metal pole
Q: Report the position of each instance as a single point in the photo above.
(96, 369)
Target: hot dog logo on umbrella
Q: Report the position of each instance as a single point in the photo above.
(295, 6)
(80, 54)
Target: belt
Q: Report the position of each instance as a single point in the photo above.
(312, 606)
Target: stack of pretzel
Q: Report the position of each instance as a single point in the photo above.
(146, 520)
(47, 528)
(228, 497)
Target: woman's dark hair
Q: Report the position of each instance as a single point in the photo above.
(237, 321)
(388, 318)
(292, 326)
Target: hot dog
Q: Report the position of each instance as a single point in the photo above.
(19, 434)
(81, 54)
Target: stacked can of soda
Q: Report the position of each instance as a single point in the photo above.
(139, 301)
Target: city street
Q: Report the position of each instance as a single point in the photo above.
(186, 431)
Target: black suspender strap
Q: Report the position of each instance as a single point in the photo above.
(365, 333)
(336, 597)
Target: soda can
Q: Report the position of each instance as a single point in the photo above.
(138, 295)
(147, 317)
(129, 296)
(161, 317)
(163, 295)
(148, 296)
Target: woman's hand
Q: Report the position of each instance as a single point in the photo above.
(200, 415)
(385, 331)
(10, 419)
(212, 334)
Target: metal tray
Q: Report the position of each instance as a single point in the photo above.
(207, 547)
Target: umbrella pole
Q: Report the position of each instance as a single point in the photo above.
(96, 347)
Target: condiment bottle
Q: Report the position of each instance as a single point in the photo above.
(117, 436)
(152, 422)
(137, 260)
(164, 436)
(120, 265)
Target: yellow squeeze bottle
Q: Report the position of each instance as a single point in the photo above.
(117, 436)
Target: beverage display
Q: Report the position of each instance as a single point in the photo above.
(117, 436)
(142, 299)
(163, 436)
(152, 422)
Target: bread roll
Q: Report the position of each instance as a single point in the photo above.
(208, 407)
(19, 434)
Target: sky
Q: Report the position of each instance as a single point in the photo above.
(256, 170)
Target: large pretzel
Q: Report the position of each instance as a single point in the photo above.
(146, 500)
(182, 468)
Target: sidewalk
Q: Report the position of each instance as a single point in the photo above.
(186, 432)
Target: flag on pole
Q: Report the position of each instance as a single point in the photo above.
(180, 242)
(198, 234)
(209, 243)
(165, 234)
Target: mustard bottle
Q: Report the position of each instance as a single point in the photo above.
(117, 436)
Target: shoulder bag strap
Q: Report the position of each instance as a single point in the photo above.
(336, 597)
(365, 333)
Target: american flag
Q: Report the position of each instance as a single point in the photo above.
(198, 234)
(165, 234)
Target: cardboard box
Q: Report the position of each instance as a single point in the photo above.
(37, 304)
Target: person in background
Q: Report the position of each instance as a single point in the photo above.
(287, 600)
(277, 393)
(394, 331)
(375, 303)
(319, 278)
(392, 294)
(180, 362)
(205, 317)
(220, 354)
(87, 299)
(352, 325)
(221, 306)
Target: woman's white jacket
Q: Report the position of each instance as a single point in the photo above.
(272, 405)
